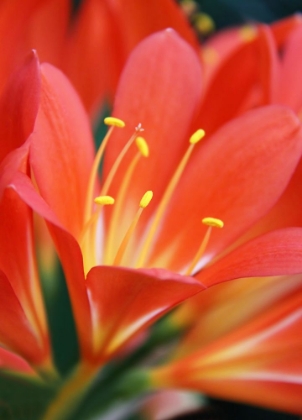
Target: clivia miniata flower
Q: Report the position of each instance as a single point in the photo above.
(132, 244)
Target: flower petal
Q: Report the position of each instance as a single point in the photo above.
(11, 362)
(159, 88)
(237, 175)
(19, 105)
(275, 253)
(259, 363)
(94, 55)
(126, 301)
(61, 152)
(290, 82)
(15, 330)
(69, 254)
(140, 19)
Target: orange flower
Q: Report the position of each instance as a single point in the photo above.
(128, 264)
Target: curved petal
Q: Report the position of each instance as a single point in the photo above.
(15, 330)
(269, 65)
(227, 306)
(17, 249)
(125, 301)
(290, 83)
(159, 88)
(61, 151)
(11, 362)
(19, 105)
(223, 101)
(237, 176)
(259, 363)
(283, 27)
(69, 254)
(276, 253)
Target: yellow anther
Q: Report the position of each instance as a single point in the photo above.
(147, 197)
(116, 122)
(145, 201)
(104, 200)
(142, 146)
(248, 33)
(197, 136)
(211, 221)
(204, 23)
(210, 55)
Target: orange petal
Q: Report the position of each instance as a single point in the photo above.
(259, 363)
(124, 302)
(275, 253)
(61, 152)
(237, 175)
(19, 105)
(159, 88)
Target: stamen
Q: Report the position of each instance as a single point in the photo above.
(143, 150)
(116, 122)
(118, 161)
(147, 197)
(194, 139)
(142, 146)
(113, 122)
(210, 222)
(102, 201)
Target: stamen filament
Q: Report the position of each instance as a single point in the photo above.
(102, 201)
(194, 139)
(210, 222)
(143, 150)
(147, 197)
(117, 163)
(112, 122)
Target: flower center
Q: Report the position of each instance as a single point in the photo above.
(105, 251)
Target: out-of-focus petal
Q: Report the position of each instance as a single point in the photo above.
(11, 362)
(19, 105)
(282, 28)
(290, 82)
(95, 55)
(269, 65)
(237, 175)
(140, 19)
(259, 363)
(125, 301)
